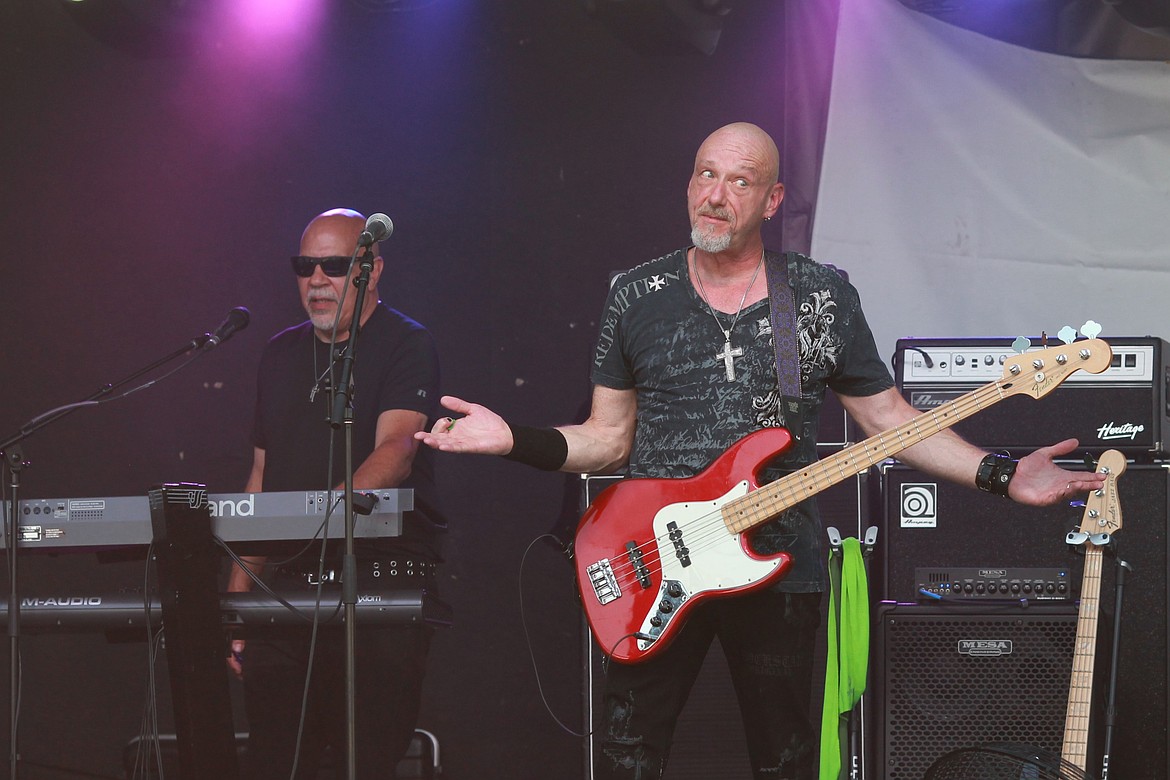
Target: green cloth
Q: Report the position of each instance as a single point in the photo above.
(848, 652)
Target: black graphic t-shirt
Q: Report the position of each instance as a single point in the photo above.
(658, 337)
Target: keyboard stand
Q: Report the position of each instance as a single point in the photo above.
(187, 564)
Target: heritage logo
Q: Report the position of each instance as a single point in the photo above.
(1109, 431)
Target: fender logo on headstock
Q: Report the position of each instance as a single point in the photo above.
(1040, 387)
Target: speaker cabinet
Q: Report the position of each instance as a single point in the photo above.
(962, 676)
(930, 523)
(938, 525)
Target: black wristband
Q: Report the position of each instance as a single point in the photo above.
(995, 473)
(543, 448)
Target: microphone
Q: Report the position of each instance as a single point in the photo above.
(378, 228)
(237, 319)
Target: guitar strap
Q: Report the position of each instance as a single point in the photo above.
(782, 299)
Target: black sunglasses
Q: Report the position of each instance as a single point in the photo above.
(337, 265)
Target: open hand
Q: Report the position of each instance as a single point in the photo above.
(1040, 482)
(474, 429)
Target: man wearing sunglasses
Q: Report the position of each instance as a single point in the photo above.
(395, 391)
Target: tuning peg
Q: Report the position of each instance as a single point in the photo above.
(1021, 345)
(1090, 464)
(1067, 334)
(1090, 329)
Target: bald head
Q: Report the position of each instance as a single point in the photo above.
(336, 226)
(752, 143)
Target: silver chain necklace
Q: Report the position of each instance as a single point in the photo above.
(324, 380)
(727, 355)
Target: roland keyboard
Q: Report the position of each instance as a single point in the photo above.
(243, 613)
(124, 521)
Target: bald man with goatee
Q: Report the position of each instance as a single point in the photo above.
(685, 367)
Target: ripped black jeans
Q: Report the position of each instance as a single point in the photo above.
(769, 639)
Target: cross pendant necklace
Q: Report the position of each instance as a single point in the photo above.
(728, 354)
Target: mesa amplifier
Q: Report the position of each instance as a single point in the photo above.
(1125, 407)
(952, 677)
(991, 583)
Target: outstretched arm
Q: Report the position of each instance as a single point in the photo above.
(394, 447)
(1038, 481)
(600, 444)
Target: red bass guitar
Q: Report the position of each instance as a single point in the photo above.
(648, 550)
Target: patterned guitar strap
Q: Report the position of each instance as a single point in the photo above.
(782, 298)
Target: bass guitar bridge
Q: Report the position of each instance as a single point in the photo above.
(605, 585)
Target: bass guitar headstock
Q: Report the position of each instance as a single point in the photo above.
(1039, 372)
(1103, 506)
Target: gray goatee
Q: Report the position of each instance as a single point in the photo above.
(709, 242)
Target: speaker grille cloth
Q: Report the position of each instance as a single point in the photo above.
(939, 697)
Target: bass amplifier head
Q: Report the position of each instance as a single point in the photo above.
(1126, 407)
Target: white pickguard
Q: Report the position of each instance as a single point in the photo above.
(718, 561)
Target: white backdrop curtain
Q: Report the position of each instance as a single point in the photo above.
(971, 187)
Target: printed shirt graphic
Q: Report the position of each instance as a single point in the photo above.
(658, 337)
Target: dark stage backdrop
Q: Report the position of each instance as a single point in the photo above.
(523, 150)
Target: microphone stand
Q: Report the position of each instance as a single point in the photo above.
(342, 414)
(13, 458)
(1111, 695)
